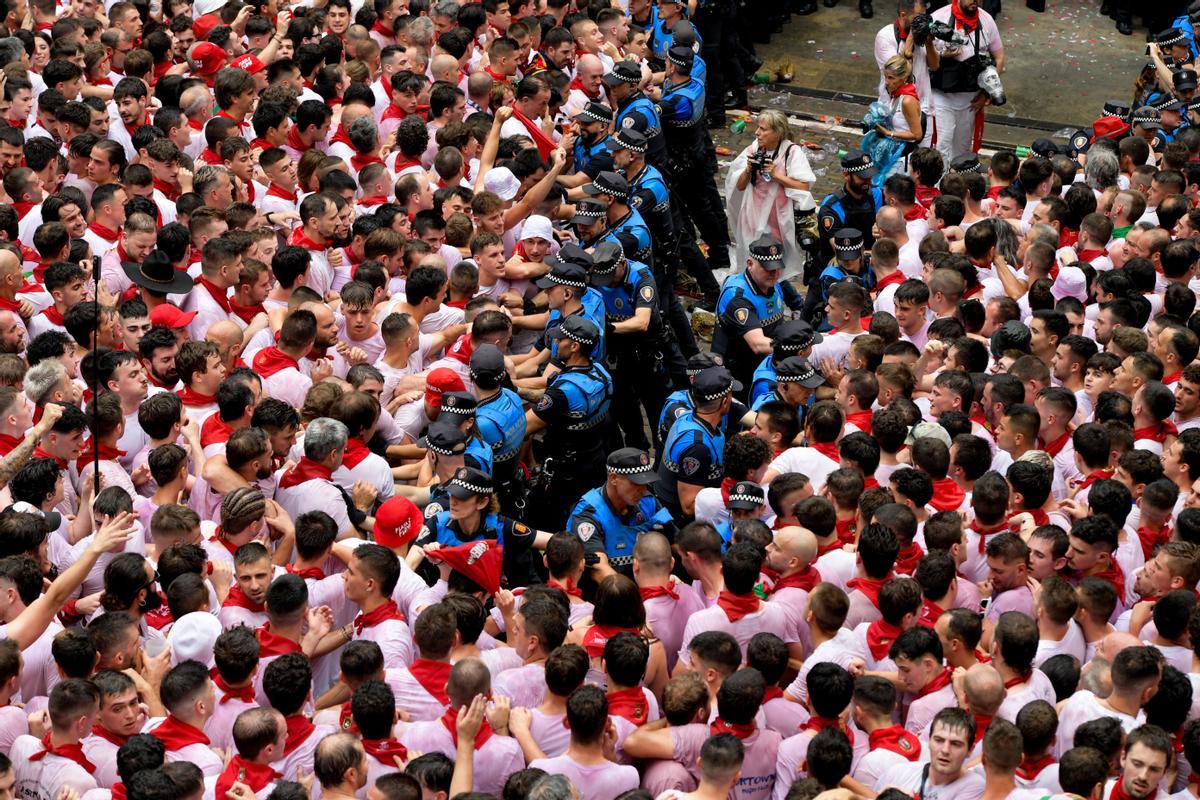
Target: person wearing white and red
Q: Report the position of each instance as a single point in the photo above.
(361, 413)
(246, 602)
(1136, 672)
(917, 653)
(584, 763)
(189, 696)
(310, 129)
(537, 629)
(1008, 571)
(668, 606)
(889, 743)
(64, 282)
(121, 716)
(287, 683)
(1145, 756)
(201, 371)
(309, 486)
(236, 658)
(1092, 553)
(43, 768)
(318, 225)
(108, 209)
(420, 688)
(830, 689)
(1012, 651)
(951, 734)
(792, 556)
(259, 735)
(877, 550)
(374, 712)
(220, 265)
(370, 578)
(990, 504)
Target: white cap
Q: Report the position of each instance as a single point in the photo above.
(537, 227)
(501, 182)
(1071, 282)
(202, 7)
(192, 638)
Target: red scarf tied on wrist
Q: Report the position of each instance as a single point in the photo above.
(74, 752)
(880, 636)
(897, 740)
(737, 606)
(630, 704)
(450, 721)
(256, 776)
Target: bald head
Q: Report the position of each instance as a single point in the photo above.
(1114, 643)
(445, 68)
(890, 221)
(651, 556)
(468, 678)
(352, 112)
(796, 542)
(224, 334)
(589, 66)
(984, 689)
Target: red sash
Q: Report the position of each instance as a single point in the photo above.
(545, 144)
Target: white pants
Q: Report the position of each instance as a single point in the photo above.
(955, 124)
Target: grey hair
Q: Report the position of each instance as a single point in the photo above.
(194, 99)
(322, 437)
(1039, 457)
(11, 50)
(445, 8)
(364, 134)
(1101, 170)
(420, 32)
(418, 58)
(1044, 233)
(206, 177)
(551, 787)
(42, 379)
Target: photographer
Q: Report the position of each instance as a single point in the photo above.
(958, 102)
(902, 37)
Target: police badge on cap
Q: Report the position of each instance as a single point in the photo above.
(624, 72)
(595, 112)
(767, 252)
(632, 464)
(795, 369)
(847, 243)
(627, 139)
(858, 163)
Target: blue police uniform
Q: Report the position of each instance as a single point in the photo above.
(725, 531)
(639, 113)
(835, 273)
(762, 382)
(742, 307)
(593, 310)
(515, 537)
(592, 158)
(1184, 24)
(682, 111)
(601, 528)
(693, 453)
(843, 210)
(501, 423)
(650, 197)
(675, 406)
(636, 242)
(478, 454)
(636, 290)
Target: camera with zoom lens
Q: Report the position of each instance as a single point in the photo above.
(758, 163)
(947, 33)
(989, 80)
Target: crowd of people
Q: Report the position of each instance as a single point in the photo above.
(356, 440)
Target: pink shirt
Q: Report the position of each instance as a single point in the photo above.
(595, 781)
(843, 648)
(794, 751)
(232, 616)
(43, 779)
(208, 311)
(13, 723)
(549, 732)
(103, 754)
(758, 767)
(499, 757)
(302, 756)
(922, 710)
(394, 639)
(861, 610)
(289, 385)
(667, 619)
(525, 685)
(314, 495)
(39, 673)
(1081, 707)
(413, 697)
(1037, 688)
(219, 728)
(785, 716)
(794, 603)
(770, 618)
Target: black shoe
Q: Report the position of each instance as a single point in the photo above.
(865, 9)
(1124, 27)
(737, 100)
(804, 9)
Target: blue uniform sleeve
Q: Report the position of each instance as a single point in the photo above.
(740, 315)
(693, 463)
(676, 106)
(791, 298)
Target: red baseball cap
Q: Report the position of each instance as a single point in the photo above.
(397, 522)
(207, 57)
(480, 561)
(441, 380)
(248, 62)
(170, 316)
(203, 25)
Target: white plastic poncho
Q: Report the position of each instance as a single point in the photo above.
(766, 208)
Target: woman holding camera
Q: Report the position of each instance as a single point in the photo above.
(768, 190)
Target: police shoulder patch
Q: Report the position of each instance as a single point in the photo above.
(545, 402)
(826, 222)
(627, 123)
(647, 292)
(432, 510)
(636, 201)
(690, 466)
(741, 315)
(521, 528)
(585, 530)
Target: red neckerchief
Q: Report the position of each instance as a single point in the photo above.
(271, 360)
(316, 573)
(818, 724)
(433, 676)
(306, 470)
(981, 724)
(598, 635)
(947, 495)
(104, 232)
(833, 546)
(272, 644)
(569, 587)
(108, 736)
(74, 752)
(450, 721)
(869, 587)
(238, 599)
(346, 721)
(176, 734)
(1088, 256)
(9, 305)
(219, 538)
(930, 612)
(1173, 377)
(651, 592)
(256, 776)
(340, 135)
(1017, 680)
(545, 144)
(403, 162)
(827, 449)
(383, 30)
(940, 681)
(54, 315)
(259, 143)
(160, 617)
(894, 278)
(1068, 237)
(1097, 475)
(742, 731)
(577, 84)
(18, 124)
(968, 21)
(1152, 539)
(393, 111)
(909, 90)
(356, 451)
(190, 397)
(806, 579)
(915, 212)
(8, 443)
(156, 382)
(880, 636)
(209, 156)
(247, 313)
(772, 693)
(985, 531)
(299, 728)
(295, 142)
(23, 208)
(106, 452)
(275, 191)
(385, 750)
(1115, 576)
(301, 239)
(386, 611)
(506, 80)
(243, 693)
(1157, 433)
(861, 420)
(359, 160)
(170, 191)
(927, 194)
(630, 704)
(737, 606)
(216, 292)
(897, 740)
(371, 202)
(909, 558)
(1055, 447)
(1118, 792)
(1031, 766)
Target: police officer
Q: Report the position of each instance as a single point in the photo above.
(573, 412)
(445, 446)
(634, 109)
(680, 400)
(458, 408)
(609, 518)
(751, 307)
(852, 206)
(471, 516)
(500, 420)
(589, 154)
(793, 337)
(612, 191)
(848, 263)
(693, 454)
(691, 165)
(746, 501)
(568, 294)
(796, 381)
(636, 349)
(966, 163)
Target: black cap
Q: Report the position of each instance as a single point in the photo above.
(1045, 148)
(847, 243)
(768, 252)
(967, 163)
(1147, 117)
(587, 211)
(609, 183)
(859, 163)
(624, 72)
(681, 56)
(571, 253)
(683, 33)
(712, 383)
(564, 273)
(1169, 37)
(794, 335)
(577, 328)
(1116, 108)
(461, 404)
(606, 256)
(627, 139)
(1169, 103)
(444, 438)
(487, 362)
(594, 111)
(1184, 79)
(632, 464)
(795, 369)
(702, 361)
(747, 495)
(469, 482)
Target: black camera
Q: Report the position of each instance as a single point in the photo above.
(758, 163)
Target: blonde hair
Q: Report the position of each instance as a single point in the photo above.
(776, 121)
(900, 67)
